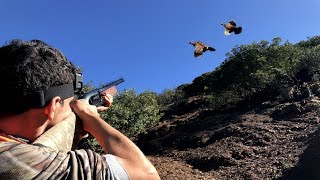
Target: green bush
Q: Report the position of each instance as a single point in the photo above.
(130, 113)
(169, 97)
(133, 113)
(90, 143)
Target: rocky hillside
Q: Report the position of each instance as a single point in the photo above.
(271, 141)
(256, 116)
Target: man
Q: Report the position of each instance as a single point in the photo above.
(37, 93)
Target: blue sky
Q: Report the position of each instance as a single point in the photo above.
(146, 41)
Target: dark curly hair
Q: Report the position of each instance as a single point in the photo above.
(29, 66)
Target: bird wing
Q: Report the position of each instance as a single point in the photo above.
(199, 43)
(238, 30)
(232, 23)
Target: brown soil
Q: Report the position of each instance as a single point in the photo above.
(278, 142)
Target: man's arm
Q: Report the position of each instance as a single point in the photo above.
(115, 143)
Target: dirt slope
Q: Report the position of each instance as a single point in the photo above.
(277, 141)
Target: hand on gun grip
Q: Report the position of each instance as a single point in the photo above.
(108, 99)
(82, 108)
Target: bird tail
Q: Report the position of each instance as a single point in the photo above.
(211, 49)
(238, 30)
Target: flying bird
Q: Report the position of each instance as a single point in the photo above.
(231, 27)
(200, 47)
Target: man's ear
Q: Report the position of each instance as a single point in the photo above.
(51, 107)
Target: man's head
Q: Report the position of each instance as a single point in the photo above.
(32, 71)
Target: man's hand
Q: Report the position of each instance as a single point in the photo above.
(85, 111)
(108, 98)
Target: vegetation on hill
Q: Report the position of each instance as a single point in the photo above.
(254, 117)
(250, 75)
(253, 73)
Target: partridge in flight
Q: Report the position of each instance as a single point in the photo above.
(231, 27)
(200, 47)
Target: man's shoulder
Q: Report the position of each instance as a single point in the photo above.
(40, 151)
(42, 162)
(27, 161)
(24, 147)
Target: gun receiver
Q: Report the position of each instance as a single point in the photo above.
(94, 97)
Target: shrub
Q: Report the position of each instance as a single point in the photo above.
(169, 97)
(133, 113)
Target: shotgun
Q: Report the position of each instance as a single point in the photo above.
(94, 97)
(65, 135)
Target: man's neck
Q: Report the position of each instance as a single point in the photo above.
(28, 125)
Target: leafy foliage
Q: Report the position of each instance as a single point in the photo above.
(311, 42)
(90, 143)
(130, 113)
(133, 113)
(169, 97)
